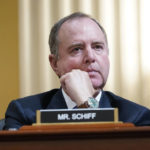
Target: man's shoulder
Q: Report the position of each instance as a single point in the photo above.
(23, 110)
(40, 99)
(118, 101)
(129, 111)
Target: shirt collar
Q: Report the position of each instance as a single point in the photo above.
(71, 104)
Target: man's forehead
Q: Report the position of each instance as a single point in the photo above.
(72, 25)
(77, 20)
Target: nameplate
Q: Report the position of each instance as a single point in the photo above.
(76, 115)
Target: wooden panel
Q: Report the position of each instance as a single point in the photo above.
(77, 136)
(9, 59)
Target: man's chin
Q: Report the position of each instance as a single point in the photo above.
(98, 82)
(98, 86)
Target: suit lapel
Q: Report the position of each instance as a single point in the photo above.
(57, 101)
(104, 101)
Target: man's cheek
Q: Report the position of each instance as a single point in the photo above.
(69, 66)
(66, 69)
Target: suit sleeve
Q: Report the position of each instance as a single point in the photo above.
(15, 116)
(143, 119)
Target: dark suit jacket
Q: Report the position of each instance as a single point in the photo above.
(23, 111)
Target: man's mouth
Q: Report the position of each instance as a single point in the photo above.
(92, 73)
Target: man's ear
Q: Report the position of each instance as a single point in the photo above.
(53, 63)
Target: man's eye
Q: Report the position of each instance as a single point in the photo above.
(76, 49)
(98, 47)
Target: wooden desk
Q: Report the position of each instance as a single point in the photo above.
(77, 137)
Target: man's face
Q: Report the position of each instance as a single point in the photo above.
(82, 45)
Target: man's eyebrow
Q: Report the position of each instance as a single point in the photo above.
(75, 44)
(98, 42)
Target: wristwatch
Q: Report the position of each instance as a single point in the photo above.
(90, 103)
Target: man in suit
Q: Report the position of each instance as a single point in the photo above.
(79, 57)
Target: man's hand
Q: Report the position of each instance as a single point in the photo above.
(77, 85)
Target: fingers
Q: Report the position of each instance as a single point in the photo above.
(74, 76)
(77, 85)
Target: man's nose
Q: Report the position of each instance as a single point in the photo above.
(89, 56)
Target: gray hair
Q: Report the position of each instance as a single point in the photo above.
(53, 37)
